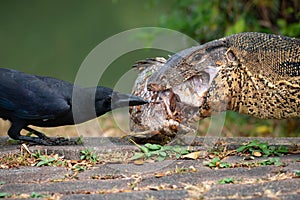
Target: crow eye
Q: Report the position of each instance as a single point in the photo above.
(107, 100)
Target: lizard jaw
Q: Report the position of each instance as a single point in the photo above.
(185, 99)
(192, 91)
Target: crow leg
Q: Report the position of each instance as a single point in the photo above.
(50, 141)
(14, 133)
(17, 126)
(37, 133)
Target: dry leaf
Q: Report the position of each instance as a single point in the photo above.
(192, 168)
(211, 156)
(154, 188)
(193, 155)
(158, 174)
(4, 166)
(257, 154)
(139, 162)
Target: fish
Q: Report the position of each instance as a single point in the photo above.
(170, 113)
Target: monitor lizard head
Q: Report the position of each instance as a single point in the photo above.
(190, 72)
(165, 116)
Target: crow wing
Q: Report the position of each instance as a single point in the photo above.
(33, 97)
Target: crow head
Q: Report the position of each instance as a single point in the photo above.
(107, 100)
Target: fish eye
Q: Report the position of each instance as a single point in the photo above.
(205, 78)
(163, 78)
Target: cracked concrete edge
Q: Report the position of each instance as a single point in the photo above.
(104, 145)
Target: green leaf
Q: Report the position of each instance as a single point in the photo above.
(177, 149)
(164, 154)
(137, 156)
(251, 149)
(167, 148)
(4, 194)
(267, 152)
(215, 160)
(271, 148)
(183, 151)
(263, 145)
(282, 149)
(153, 147)
(144, 149)
(177, 156)
(160, 158)
(148, 155)
(41, 163)
(225, 165)
(226, 180)
(45, 161)
(212, 164)
(36, 195)
(297, 173)
(241, 148)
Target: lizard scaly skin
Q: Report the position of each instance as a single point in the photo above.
(252, 73)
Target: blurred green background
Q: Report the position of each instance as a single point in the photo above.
(53, 37)
(208, 20)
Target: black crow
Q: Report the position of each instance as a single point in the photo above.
(27, 99)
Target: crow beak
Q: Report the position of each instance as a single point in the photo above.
(124, 100)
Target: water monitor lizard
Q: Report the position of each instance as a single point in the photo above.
(252, 73)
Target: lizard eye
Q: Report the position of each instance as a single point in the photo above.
(230, 56)
(197, 57)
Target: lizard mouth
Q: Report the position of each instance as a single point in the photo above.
(192, 91)
(181, 102)
(171, 111)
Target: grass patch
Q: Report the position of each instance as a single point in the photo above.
(257, 148)
(87, 160)
(158, 152)
(216, 163)
(89, 155)
(226, 180)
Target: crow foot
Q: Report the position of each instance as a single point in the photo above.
(49, 141)
(42, 139)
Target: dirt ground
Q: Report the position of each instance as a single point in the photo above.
(116, 176)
